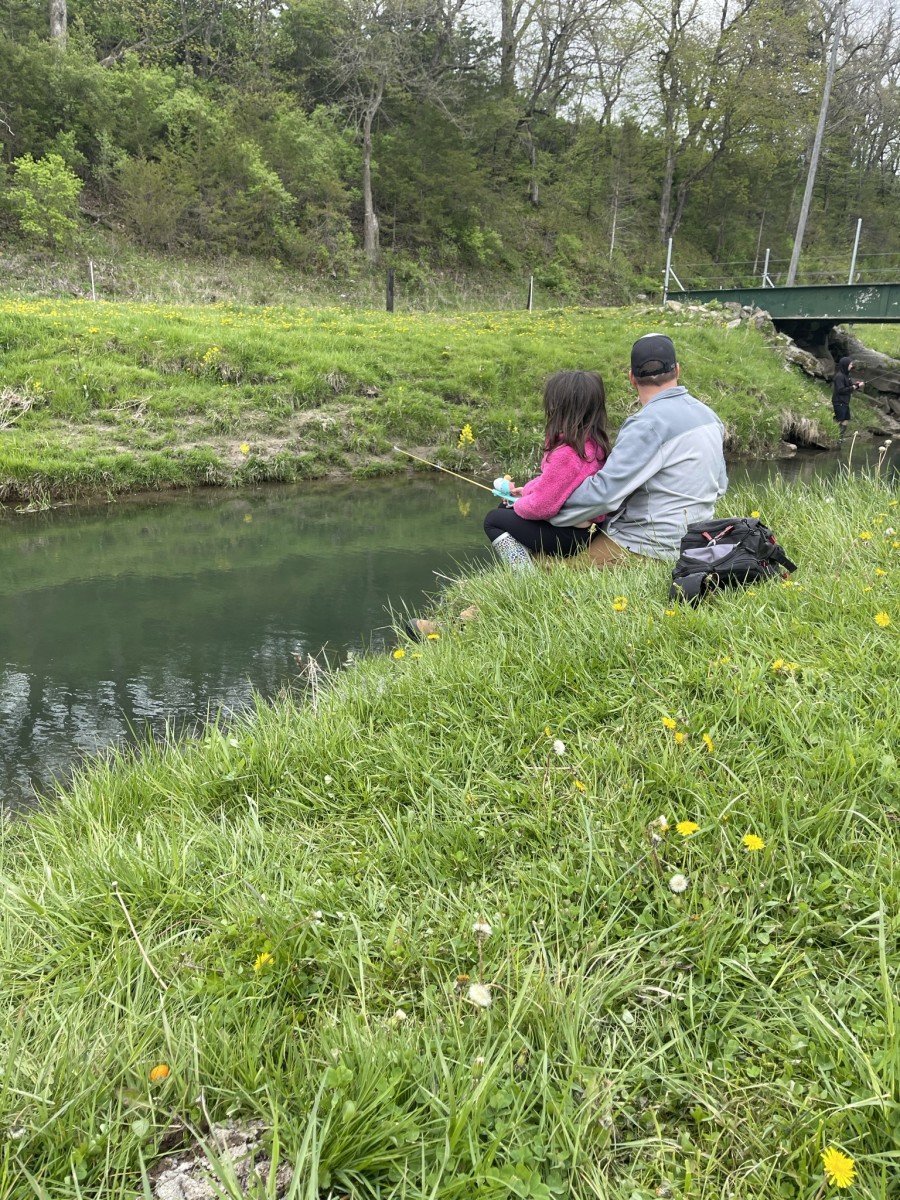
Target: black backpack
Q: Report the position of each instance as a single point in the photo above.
(729, 552)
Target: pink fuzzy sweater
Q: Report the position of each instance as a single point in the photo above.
(561, 472)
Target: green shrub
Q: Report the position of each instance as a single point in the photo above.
(44, 198)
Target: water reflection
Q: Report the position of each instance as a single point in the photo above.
(165, 610)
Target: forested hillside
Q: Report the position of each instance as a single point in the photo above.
(570, 138)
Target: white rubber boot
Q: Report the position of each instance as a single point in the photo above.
(513, 553)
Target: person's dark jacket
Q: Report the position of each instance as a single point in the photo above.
(842, 387)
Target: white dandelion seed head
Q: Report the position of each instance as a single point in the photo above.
(479, 994)
(890, 531)
(482, 928)
(678, 884)
(655, 839)
(327, 779)
(559, 747)
(399, 1017)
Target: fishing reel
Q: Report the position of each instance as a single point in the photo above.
(502, 489)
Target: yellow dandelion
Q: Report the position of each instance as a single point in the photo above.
(882, 619)
(724, 660)
(619, 604)
(579, 786)
(245, 447)
(262, 961)
(895, 545)
(399, 653)
(547, 732)
(865, 536)
(753, 842)
(160, 1072)
(679, 737)
(669, 723)
(878, 571)
(686, 828)
(669, 612)
(755, 513)
(708, 742)
(433, 637)
(778, 664)
(839, 1167)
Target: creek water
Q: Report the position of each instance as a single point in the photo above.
(157, 613)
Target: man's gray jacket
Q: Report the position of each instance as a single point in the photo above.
(666, 470)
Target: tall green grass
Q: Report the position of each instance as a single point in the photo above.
(885, 338)
(303, 884)
(112, 397)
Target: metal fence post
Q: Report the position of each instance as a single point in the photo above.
(668, 272)
(855, 248)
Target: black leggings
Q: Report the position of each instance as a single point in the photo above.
(535, 535)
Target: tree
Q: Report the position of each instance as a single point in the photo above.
(44, 197)
(385, 47)
(725, 77)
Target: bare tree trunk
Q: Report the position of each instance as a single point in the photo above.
(370, 220)
(817, 146)
(59, 23)
(665, 203)
(185, 33)
(507, 49)
(534, 187)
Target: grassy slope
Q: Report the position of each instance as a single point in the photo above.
(128, 396)
(885, 338)
(707, 1044)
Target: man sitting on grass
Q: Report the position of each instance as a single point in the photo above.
(665, 471)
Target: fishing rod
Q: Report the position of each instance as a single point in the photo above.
(500, 488)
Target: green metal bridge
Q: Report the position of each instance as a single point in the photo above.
(829, 304)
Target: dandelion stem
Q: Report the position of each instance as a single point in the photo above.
(653, 853)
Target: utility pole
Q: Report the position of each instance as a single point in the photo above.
(817, 144)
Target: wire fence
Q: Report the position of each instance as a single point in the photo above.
(876, 266)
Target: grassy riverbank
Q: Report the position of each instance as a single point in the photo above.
(281, 912)
(112, 397)
(885, 338)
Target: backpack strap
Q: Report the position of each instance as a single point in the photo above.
(688, 587)
(778, 555)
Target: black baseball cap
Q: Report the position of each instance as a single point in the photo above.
(652, 354)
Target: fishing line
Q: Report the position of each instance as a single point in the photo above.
(438, 467)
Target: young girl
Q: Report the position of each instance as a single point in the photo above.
(575, 446)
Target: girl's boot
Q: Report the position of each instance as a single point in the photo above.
(513, 553)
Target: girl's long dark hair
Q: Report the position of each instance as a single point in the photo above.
(575, 407)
